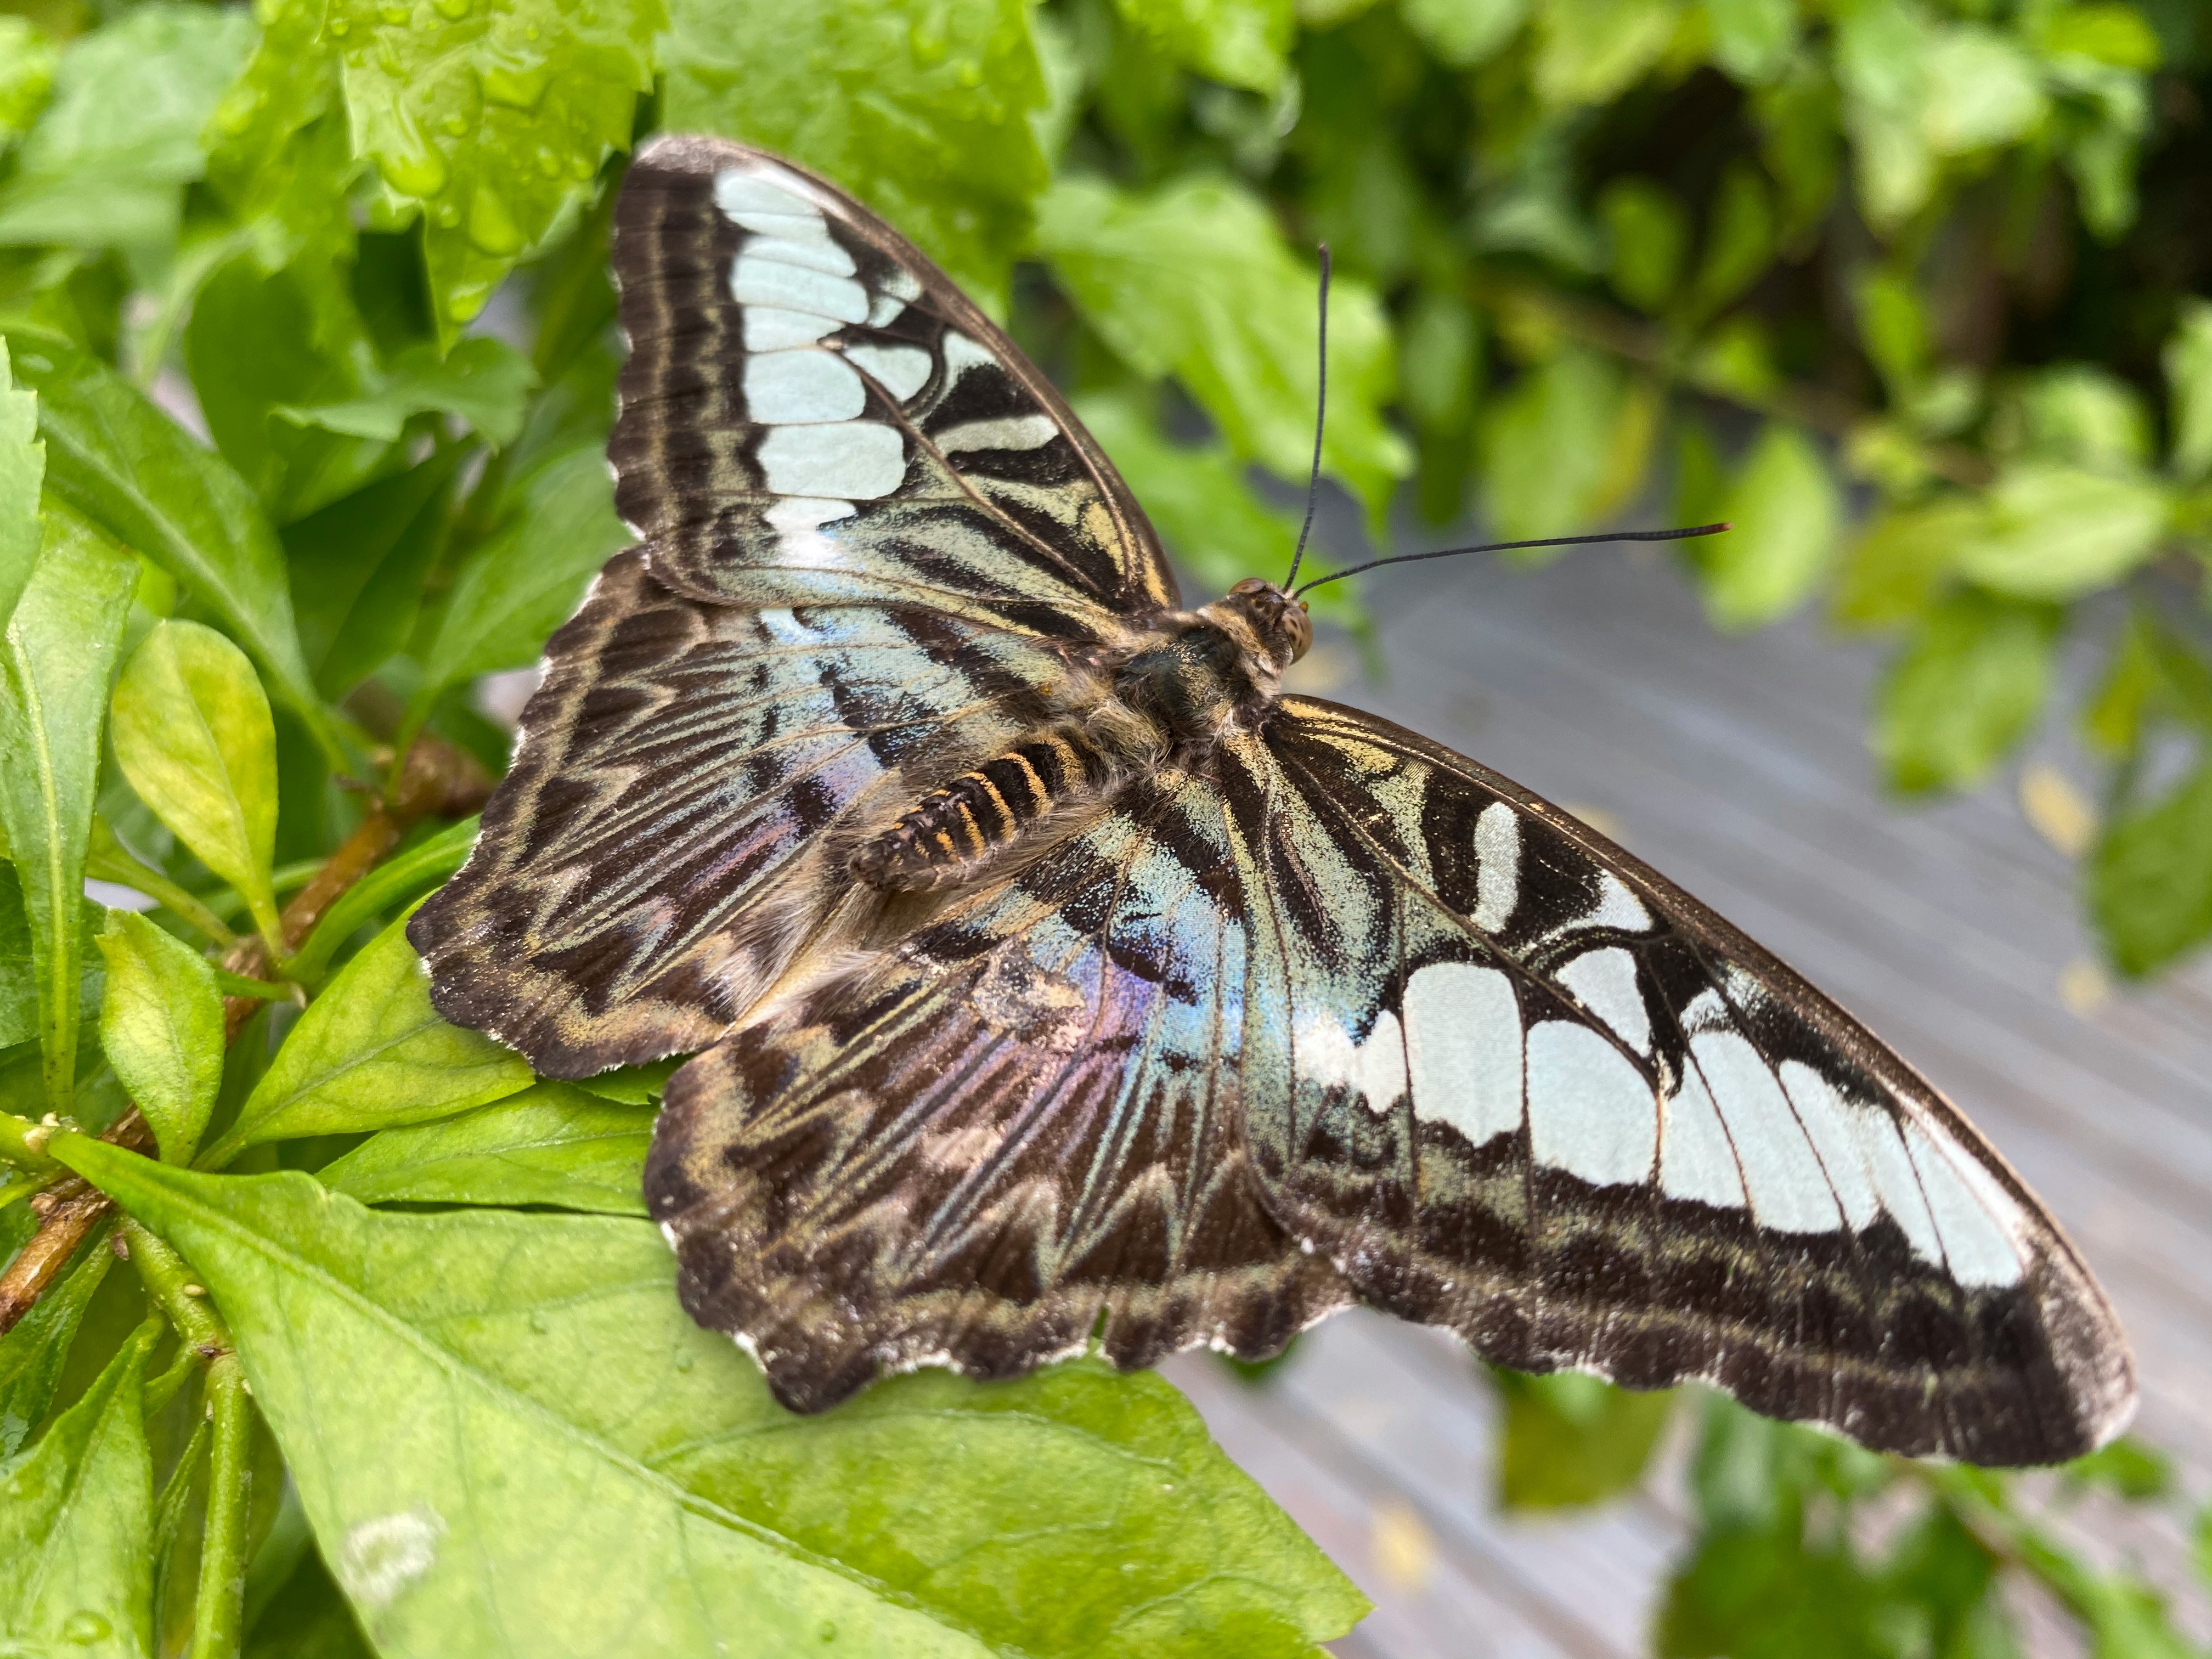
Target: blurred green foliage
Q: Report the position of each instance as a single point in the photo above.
(309, 367)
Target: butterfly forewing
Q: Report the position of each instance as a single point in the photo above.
(1294, 1009)
(1561, 1108)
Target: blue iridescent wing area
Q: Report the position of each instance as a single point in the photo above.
(1018, 1130)
(874, 545)
(1513, 1082)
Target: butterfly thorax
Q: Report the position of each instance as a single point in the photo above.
(1188, 681)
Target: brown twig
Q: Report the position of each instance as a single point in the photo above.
(438, 781)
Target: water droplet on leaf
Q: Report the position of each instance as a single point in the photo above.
(539, 1323)
(827, 1631)
(86, 1628)
(409, 160)
(517, 84)
(492, 228)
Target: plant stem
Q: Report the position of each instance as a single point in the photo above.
(23, 1143)
(219, 1610)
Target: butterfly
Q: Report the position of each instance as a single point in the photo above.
(1056, 981)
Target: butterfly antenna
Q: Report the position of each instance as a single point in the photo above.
(1321, 424)
(1501, 547)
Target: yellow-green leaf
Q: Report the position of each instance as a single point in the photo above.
(1786, 510)
(2056, 531)
(371, 1052)
(193, 735)
(161, 1027)
(22, 466)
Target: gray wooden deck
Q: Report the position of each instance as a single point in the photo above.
(1738, 767)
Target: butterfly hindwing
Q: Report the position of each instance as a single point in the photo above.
(1515, 1084)
(1017, 1131)
(797, 367)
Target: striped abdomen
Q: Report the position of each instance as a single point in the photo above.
(952, 833)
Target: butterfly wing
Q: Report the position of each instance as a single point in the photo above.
(1513, 1082)
(810, 411)
(1016, 1130)
(875, 543)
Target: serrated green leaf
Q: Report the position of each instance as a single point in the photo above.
(520, 584)
(1900, 561)
(2188, 363)
(1590, 51)
(161, 1027)
(192, 733)
(1464, 33)
(59, 650)
(921, 108)
(1968, 683)
(485, 382)
(494, 116)
(2150, 878)
(1196, 279)
(2058, 533)
(358, 568)
(33, 1353)
(370, 1052)
(108, 161)
(1241, 42)
(1786, 509)
(23, 468)
(553, 1144)
(405, 876)
(76, 1514)
(132, 471)
(1752, 39)
(1571, 1439)
(421, 1373)
(28, 57)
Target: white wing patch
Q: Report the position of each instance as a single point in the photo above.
(1374, 1071)
(900, 370)
(802, 387)
(857, 460)
(1695, 1159)
(1463, 1049)
(1788, 1189)
(1608, 983)
(1496, 866)
(1975, 1248)
(1590, 1112)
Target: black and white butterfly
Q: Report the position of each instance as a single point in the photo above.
(1061, 981)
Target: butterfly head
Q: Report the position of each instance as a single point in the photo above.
(1279, 619)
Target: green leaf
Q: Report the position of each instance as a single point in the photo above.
(405, 876)
(2058, 533)
(1566, 445)
(1650, 235)
(2085, 416)
(1984, 90)
(2188, 362)
(59, 649)
(1464, 33)
(161, 1027)
(1238, 41)
(19, 975)
(552, 1144)
(421, 1373)
(76, 1515)
(2111, 32)
(1195, 494)
(108, 161)
(2128, 1467)
(1894, 571)
(1196, 279)
(193, 734)
(485, 382)
(1752, 39)
(1571, 1439)
(1739, 242)
(28, 57)
(133, 471)
(523, 581)
(1786, 510)
(1968, 683)
(33, 1354)
(22, 466)
(370, 1052)
(495, 118)
(919, 107)
(1881, 54)
(2150, 878)
(634, 1085)
(1893, 327)
(359, 566)
(1768, 1596)
(1590, 51)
